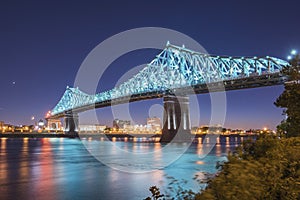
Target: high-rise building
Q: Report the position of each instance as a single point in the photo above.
(119, 124)
(154, 123)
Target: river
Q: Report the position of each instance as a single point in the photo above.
(94, 168)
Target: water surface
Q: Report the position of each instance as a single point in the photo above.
(62, 168)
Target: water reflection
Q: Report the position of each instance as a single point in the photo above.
(199, 140)
(199, 149)
(218, 150)
(64, 169)
(199, 162)
(43, 170)
(3, 144)
(23, 167)
(3, 161)
(158, 154)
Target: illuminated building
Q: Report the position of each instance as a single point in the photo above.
(119, 124)
(1, 125)
(92, 128)
(154, 123)
(54, 124)
(41, 124)
(8, 128)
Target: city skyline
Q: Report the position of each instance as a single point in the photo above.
(41, 53)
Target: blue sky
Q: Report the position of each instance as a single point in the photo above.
(44, 43)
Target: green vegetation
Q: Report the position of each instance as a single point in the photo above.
(174, 191)
(266, 169)
(155, 193)
(290, 100)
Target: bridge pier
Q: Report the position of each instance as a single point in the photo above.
(71, 124)
(53, 124)
(176, 119)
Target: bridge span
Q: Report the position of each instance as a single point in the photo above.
(173, 75)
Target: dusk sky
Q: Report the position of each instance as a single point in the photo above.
(43, 43)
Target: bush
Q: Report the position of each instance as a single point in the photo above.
(266, 169)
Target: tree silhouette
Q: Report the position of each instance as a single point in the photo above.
(290, 100)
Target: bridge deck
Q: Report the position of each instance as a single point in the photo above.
(235, 84)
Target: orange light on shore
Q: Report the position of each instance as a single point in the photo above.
(48, 114)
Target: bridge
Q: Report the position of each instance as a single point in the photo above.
(173, 75)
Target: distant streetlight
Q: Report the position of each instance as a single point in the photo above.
(294, 52)
(48, 114)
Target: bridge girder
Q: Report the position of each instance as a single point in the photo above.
(177, 68)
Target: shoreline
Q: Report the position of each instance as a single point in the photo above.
(111, 136)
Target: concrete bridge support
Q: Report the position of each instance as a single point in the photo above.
(71, 122)
(54, 124)
(176, 120)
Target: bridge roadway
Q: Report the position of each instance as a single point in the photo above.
(243, 83)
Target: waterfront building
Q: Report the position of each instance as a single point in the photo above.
(41, 124)
(1, 125)
(92, 128)
(137, 128)
(119, 124)
(8, 128)
(154, 123)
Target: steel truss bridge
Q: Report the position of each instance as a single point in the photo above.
(183, 71)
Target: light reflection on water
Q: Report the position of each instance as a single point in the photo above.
(3, 164)
(61, 168)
